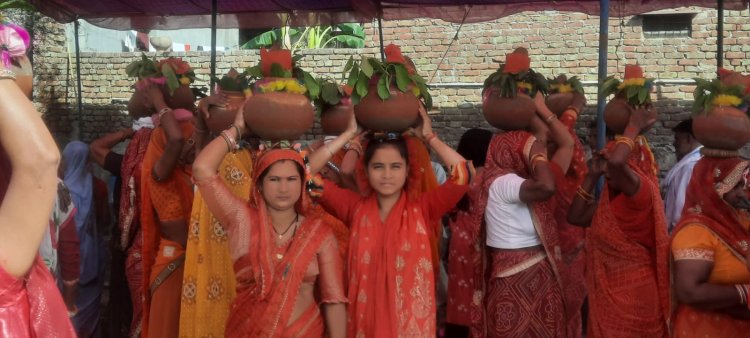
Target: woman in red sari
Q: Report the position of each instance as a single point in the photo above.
(30, 303)
(390, 271)
(464, 251)
(286, 260)
(627, 244)
(709, 246)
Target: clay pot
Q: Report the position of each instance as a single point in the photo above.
(508, 113)
(724, 127)
(137, 106)
(182, 97)
(222, 117)
(278, 116)
(335, 119)
(396, 114)
(558, 102)
(24, 75)
(617, 114)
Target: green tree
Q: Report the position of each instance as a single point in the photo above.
(346, 35)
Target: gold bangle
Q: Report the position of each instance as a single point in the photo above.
(584, 194)
(627, 141)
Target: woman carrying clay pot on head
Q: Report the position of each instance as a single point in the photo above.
(166, 200)
(390, 271)
(627, 243)
(32, 305)
(287, 265)
(208, 260)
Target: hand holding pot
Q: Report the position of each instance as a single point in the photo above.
(425, 127)
(215, 99)
(541, 106)
(239, 120)
(642, 118)
(579, 101)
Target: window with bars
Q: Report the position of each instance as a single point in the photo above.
(660, 26)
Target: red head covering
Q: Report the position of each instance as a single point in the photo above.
(263, 268)
(712, 178)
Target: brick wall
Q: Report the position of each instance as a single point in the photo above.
(558, 42)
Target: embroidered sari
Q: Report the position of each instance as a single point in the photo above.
(275, 281)
(391, 278)
(168, 200)
(518, 292)
(129, 222)
(711, 230)
(208, 286)
(627, 250)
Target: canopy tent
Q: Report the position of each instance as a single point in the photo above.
(176, 14)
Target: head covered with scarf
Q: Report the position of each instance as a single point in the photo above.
(714, 177)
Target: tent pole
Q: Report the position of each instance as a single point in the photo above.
(720, 36)
(77, 127)
(380, 32)
(213, 45)
(603, 45)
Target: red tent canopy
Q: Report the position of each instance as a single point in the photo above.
(176, 14)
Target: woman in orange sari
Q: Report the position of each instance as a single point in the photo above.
(167, 196)
(627, 244)
(286, 261)
(709, 246)
(390, 271)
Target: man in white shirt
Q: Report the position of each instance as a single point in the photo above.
(687, 149)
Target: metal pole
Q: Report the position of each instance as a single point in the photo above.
(603, 44)
(77, 127)
(213, 43)
(380, 32)
(720, 36)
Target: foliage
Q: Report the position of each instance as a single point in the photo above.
(510, 85)
(233, 81)
(708, 94)
(636, 91)
(15, 4)
(174, 71)
(563, 84)
(143, 68)
(348, 35)
(387, 74)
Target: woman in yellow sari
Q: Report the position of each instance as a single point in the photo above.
(208, 286)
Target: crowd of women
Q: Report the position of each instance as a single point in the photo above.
(218, 235)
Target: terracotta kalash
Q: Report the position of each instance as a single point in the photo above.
(720, 120)
(235, 86)
(633, 91)
(14, 42)
(172, 75)
(562, 91)
(387, 94)
(279, 109)
(334, 104)
(507, 95)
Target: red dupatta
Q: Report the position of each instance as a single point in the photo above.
(704, 203)
(130, 172)
(509, 153)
